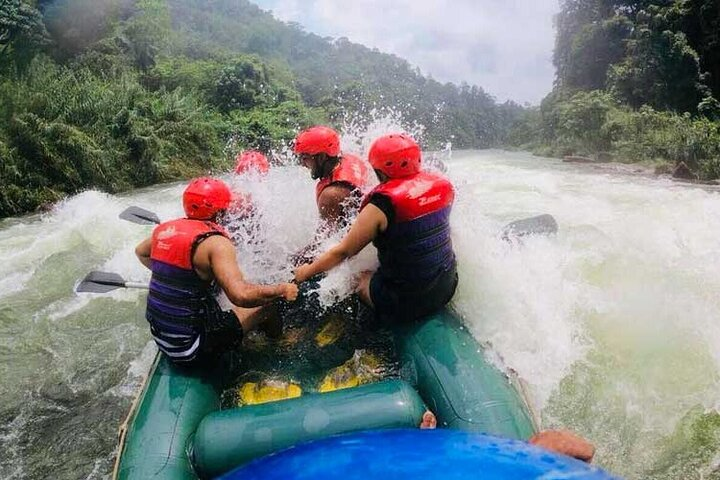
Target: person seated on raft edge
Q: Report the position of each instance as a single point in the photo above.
(254, 165)
(251, 161)
(247, 163)
(188, 257)
(411, 232)
(407, 218)
(341, 176)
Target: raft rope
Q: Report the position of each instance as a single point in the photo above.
(522, 388)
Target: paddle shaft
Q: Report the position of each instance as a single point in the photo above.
(541, 224)
(103, 282)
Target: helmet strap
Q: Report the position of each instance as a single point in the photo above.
(382, 177)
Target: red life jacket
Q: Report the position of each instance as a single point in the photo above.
(174, 242)
(178, 300)
(415, 196)
(416, 246)
(350, 171)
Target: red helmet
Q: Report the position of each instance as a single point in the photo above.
(251, 160)
(396, 155)
(316, 140)
(205, 197)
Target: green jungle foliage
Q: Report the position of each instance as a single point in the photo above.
(636, 80)
(65, 129)
(114, 94)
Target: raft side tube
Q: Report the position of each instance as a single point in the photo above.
(452, 374)
(418, 455)
(172, 405)
(229, 438)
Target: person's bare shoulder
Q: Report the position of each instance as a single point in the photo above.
(213, 250)
(333, 195)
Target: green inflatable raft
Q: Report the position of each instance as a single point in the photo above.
(178, 430)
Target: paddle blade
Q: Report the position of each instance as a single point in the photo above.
(540, 225)
(139, 215)
(100, 282)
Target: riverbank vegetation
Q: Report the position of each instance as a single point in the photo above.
(114, 94)
(637, 80)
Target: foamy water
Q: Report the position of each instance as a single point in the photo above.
(612, 322)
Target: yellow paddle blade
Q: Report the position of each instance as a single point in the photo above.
(331, 331)
(252, 393)
(362, 368)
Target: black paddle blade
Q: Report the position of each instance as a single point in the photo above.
(100, 282)
(139, 215)
(540, 225)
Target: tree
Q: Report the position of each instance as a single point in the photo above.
(22, 34)
(595, 48)
(148, 32)
(700, 21)
(584, 117)
(76, 25)
(660, 70)
(574, 16)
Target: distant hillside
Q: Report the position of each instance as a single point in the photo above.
(340, 75)
(114, 94)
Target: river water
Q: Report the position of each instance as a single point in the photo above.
(613, 323)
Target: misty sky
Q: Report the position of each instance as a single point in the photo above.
(504, 46)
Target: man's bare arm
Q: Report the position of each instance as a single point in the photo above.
(331, 203)
(366, 227)
(143, 250)
(223, 263)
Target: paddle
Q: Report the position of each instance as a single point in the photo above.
(539, 225)
(103, 282)
(139, 215)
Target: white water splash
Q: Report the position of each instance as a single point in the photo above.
(358, 133)
(136, 373)
(287, 219)
(616, 315)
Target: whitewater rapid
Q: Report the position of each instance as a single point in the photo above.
(612, 324)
